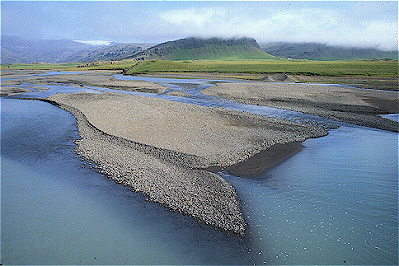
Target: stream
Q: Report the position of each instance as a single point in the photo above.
(334, 202)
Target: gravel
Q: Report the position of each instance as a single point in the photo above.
(163, 149)
(350, 105)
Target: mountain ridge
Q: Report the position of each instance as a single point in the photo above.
(324, 52)
(193, 48)
(15, 49)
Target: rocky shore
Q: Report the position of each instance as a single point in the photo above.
(165, 150)
(350, 105)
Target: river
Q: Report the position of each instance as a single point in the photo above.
(334, 202)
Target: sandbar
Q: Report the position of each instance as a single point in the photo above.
(350, 105)
(102, 79)
(165, 149)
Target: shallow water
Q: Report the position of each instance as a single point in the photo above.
(193, 96)
(335, 202)
(54, 211)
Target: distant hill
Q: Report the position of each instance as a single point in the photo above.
(197, 48)
(108, 53)
(317, 51)
(16, 49)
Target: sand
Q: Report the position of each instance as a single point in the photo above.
(89, 78)
(170, 151)
(11, 90)
(165, 149)
(351, 105)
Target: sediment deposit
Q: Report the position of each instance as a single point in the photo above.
(89, 78)
(350, 105)
(164, 149)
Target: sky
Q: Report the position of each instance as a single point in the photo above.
(349, 23)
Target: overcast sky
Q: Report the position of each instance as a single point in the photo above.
(365, 24)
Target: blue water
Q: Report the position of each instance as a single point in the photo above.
(51, 73)
(54, 211)
(194, 96)
(335, 202)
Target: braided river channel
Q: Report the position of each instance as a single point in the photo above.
(334, 202)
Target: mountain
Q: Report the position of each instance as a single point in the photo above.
(26, 50)
(16, 49)
(108, 53)
(317, 51)
(197, 48)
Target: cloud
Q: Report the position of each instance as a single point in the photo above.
(330, 26)
(94, 43)
(365, 24)
(195, 16)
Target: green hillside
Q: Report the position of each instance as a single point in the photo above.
(210, 49)
(317, 51)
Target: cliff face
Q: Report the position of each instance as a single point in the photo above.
(196, 48)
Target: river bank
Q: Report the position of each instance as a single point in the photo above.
(169, 151)
(350, 105)
(308, 206)
(13, 78)
(165, 149)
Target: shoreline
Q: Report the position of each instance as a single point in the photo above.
(231, 220)
(166, 150)
(350, 105)
(265, 160)
(166, 173)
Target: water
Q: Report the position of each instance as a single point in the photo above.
(51, 73)
(193, 90)
(54, 211)
(335, 202)
(49, 90)
(393, 117)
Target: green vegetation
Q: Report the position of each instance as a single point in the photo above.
(372, 68)
(213, 49)
(106, 65)
(40, 66)
(318, 68)
(221, 52)
(318, 51)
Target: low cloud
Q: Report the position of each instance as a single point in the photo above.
(364, 24)
(299, 25)
(194, 16)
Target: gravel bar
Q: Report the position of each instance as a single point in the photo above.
(350, 105)
(164, 149)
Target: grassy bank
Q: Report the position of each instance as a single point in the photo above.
(318, 68)
(107, 65)
(366, 68)
(40, 66)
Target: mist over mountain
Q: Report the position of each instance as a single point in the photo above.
(16, 49)
(212, 48)
(318, 51)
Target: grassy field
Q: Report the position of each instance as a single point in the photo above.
(317, 68)
(108, 65)
(377, 74)
(378, 68)
(40, 66)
